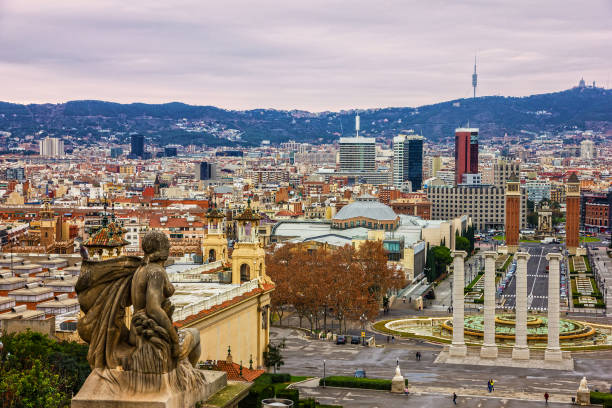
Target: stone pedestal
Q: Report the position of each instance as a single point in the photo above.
(553, 351)
(458, 348)
(109, 389)
(397, 382)
(489, 348)
(520, 350)
(583, 395)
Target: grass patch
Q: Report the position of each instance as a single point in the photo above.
(571, 264)
(473, 282)
(507, 264)
(499, 237)
(589, 239)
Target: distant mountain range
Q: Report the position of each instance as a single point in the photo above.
(91, 120)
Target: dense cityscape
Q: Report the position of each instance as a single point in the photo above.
(182, 255)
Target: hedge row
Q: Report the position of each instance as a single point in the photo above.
(601, 398)
(352, 382)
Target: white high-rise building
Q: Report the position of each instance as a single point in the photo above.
(587, 149)
(51, 147)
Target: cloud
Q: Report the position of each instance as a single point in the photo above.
(315, 55)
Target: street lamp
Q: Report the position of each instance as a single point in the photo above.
(323, 373)
(363, 319)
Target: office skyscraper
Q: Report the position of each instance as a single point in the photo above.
(137, 146)
(466, 153)
(408, 160)
(205, 171)
(357, 154)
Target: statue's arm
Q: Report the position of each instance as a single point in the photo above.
(155, 297)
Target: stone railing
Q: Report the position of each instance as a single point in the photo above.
(195, 308)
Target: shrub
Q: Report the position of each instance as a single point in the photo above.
(601, 398)
(290, 394)
(280, 378)
(352, 382)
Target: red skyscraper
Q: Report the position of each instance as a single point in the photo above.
(466, 153)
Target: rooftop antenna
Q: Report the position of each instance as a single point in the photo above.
(357, 124)
(474, 78)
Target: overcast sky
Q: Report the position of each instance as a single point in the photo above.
(291, 54)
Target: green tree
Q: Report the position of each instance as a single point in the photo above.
(273, 357)
(438, 259)
(33, 388)
(532, 219)
(462, 244)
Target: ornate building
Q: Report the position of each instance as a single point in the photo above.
(248, 258)
(107, 242)
(214, 245)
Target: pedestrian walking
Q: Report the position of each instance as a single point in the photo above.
(393, 339)
(546, 396)
(489, 386)
(492, 384)
(454, 398)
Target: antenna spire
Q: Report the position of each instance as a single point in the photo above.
(474, 78)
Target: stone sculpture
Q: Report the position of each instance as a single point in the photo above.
(150, 357)
(583, 395)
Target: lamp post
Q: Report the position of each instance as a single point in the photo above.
(363, 319)
(323, 373)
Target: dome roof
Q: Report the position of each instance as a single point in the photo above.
(368, 207)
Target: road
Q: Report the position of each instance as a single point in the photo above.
(537, 278)
(305, 357)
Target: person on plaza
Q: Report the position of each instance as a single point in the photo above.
(393, 339)
(406, 392)
(546, 396)
(454, 398)
(492, 384)
(489, 386)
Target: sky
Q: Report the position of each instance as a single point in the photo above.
(312, 55)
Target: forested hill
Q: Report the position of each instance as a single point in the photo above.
(582, 108)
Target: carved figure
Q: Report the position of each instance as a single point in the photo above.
(151, 346)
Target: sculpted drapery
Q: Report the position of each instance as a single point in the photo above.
(151, 346)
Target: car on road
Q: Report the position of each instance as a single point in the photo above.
(360, 374)
(355, 340)
(341, 340)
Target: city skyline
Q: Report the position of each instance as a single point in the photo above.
(311, 56)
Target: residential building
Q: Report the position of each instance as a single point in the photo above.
(51, 147)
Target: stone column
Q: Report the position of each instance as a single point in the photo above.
(489, 348)
(553, 352)
(520, 350)
(458, 348)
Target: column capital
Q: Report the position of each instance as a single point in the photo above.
(522, 255)
(461, 254)
(490, 254)
(554, 255)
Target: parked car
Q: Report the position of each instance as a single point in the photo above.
(341, 340)
(360, 374)
(354, 340)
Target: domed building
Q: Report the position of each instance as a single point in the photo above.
(366, 211)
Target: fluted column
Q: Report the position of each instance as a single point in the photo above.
(458, 347)
(489, 348)
(520, 350)
(553, 352)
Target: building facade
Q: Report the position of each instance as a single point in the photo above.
(466, 152)
(51, 147)
(357, 154)
(572, 213)
(485, 204)
(408, 160)
(137, 146)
